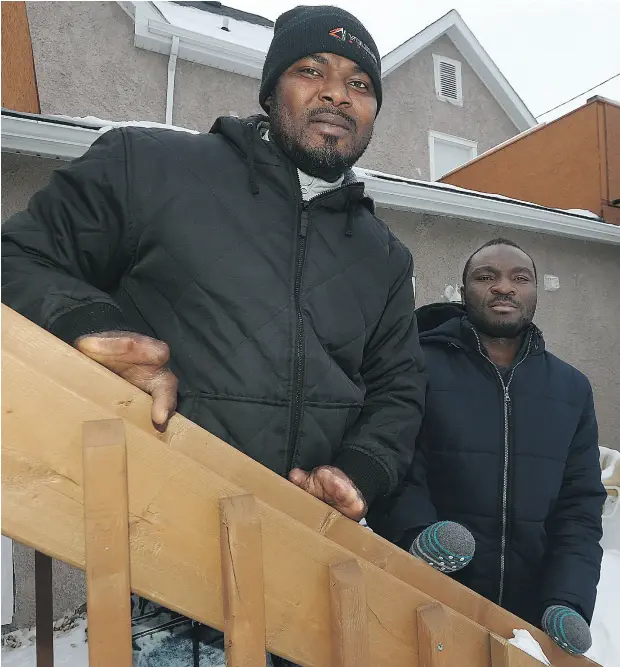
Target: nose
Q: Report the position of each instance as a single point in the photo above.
(503, 286)
(335, 92)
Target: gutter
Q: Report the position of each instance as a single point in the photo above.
(396, 194)
(44, 138)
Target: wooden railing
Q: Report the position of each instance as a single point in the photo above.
(189, 522)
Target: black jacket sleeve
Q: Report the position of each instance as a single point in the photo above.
(574, 526)
(69, 248)
(401, 517)
(377, 450)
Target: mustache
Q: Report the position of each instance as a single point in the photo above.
(335, 112)
(505, 299)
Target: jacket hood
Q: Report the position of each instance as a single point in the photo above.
(246, 135)
(448, 323)
(432, 316)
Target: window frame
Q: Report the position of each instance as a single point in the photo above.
(441, 137)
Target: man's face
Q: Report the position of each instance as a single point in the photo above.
(500, 291)
(322, 113)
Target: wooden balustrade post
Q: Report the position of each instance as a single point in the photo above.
(349, 615)
(435, 643)
(106, 524)
(243, 587)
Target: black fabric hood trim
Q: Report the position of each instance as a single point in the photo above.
(448, 323)
(435, 314)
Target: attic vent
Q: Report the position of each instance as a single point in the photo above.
(448, 85)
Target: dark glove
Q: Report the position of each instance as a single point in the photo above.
(445, 545)
(567, 628)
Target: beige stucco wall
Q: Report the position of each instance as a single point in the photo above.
(580, 321)
(95, 69)
(411, 109)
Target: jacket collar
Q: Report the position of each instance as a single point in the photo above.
(266, 161)
(447, 323)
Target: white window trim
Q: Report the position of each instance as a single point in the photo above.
(447, 139)
(437, 59)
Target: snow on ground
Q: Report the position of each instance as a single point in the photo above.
(70, 648)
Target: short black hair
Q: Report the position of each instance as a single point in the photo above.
(492, 242)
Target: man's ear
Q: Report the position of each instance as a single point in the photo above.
(463, 295)
(268, 102)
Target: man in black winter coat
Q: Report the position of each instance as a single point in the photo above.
(509, 449)
(241, 276)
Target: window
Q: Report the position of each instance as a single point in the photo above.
(448, 85)
(447, 153)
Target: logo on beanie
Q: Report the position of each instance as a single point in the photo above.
(344, 36)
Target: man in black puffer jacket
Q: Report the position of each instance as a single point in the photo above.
(251, 258)
(508, 448)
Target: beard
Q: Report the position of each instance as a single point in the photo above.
(328, 161)
(498, 327)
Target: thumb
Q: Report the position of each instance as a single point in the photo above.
(163, 389)
(299, 477)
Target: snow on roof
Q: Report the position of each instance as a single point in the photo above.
(363, 173)
(103, 125)
(66, 138)
(240, 32)
(223, 10)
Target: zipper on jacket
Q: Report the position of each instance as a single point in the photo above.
(507, 411)
(299, 347)
(299, 358)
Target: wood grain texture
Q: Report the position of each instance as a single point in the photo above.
(106, 532)
(243, 582)
(436, 648)
(44, 609)
(27, 349)
(349, 615)
(19, 82)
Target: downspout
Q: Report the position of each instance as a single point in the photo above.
(172, 68)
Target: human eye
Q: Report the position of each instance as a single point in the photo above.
(360, 85)
(310, 71)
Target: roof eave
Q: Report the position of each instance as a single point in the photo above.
(465, 41)
(66, 142)
(400, 194)
(44, 139)
(154, 34)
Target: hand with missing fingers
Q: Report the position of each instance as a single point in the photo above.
(140, 360)
(333, 487)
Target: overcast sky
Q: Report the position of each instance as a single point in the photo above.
(549, 50)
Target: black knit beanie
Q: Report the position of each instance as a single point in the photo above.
(322, 29)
